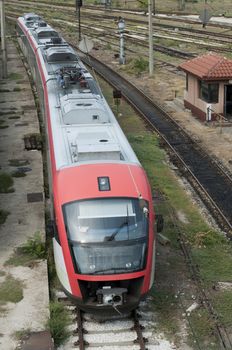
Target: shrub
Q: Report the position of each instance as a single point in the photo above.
(35, 247)
(6, 183)
(59, 322)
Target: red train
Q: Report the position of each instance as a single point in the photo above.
(104, 244)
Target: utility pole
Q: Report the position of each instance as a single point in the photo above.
(121, 28)
(182, 5)
(150, 34)
(78, 9)
(3, 40)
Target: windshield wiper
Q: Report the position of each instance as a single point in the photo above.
(125, 223)
(112, 237)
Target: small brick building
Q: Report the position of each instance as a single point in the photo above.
(208, 85)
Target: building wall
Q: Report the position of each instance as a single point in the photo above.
(191, 98)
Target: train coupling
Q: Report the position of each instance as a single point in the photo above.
(111, 296)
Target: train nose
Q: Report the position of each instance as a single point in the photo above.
(111, 296)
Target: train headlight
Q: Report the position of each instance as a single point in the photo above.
(103, 183)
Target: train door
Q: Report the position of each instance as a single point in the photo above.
(228, 101)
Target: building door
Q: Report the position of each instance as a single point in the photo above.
(228, 101)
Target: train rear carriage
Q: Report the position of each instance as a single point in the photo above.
(104, 244)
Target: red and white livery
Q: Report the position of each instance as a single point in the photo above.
(102, 207)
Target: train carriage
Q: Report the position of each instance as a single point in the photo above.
(104, 244)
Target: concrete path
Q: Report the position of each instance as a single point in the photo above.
(25, 205)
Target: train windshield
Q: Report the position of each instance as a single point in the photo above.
(108, 235)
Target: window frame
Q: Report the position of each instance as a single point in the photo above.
(210, 94)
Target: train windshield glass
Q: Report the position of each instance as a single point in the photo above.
(107, 235)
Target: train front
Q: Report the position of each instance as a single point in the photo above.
(104, 247)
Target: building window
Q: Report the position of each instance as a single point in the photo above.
(187, 82)
(208, 92)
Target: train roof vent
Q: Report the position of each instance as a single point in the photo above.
(61, 54)
(45, 33)
(56, 40)
(83, 111)
(31, 17)
(97, 145)
(42, 24)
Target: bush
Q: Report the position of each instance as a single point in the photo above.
(59, 322)
(35, 247)
(3, 216)
(6, 183)
(140, 65)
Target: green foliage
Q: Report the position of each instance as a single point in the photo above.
(165, 307)
(6, 183)
(35, 247)
(22, 334)
(223, 302)
(3, 125)
(18, 173)
(25, 255)
(143, 4)
(215, 263)
(17, 88)
(108, 46)
(18, 162)
(3, 216)
(140, 65)
(15, 76)
(59, 322)
(11, 290)
(208, 238)
(203, 327)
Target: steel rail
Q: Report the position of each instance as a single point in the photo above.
(138, 328)
(81, 343)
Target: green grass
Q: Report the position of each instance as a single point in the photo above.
(59, 322)
(4, 90)
(17, 89)
(215, 263)
(18, 173)
(223, 302)
(165, 305)
(3, 216)
(203, 327)
(18, 162)
(15, 76)
(14, 117)
(11, 290)
(22, 334)
(6, 183)
(25, 255)
(136, 66)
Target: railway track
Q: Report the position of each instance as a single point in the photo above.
(213, 41)
(134, 331)
(210, 180)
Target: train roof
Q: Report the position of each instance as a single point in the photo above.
(83, 127)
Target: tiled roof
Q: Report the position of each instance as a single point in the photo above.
(209, 67)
